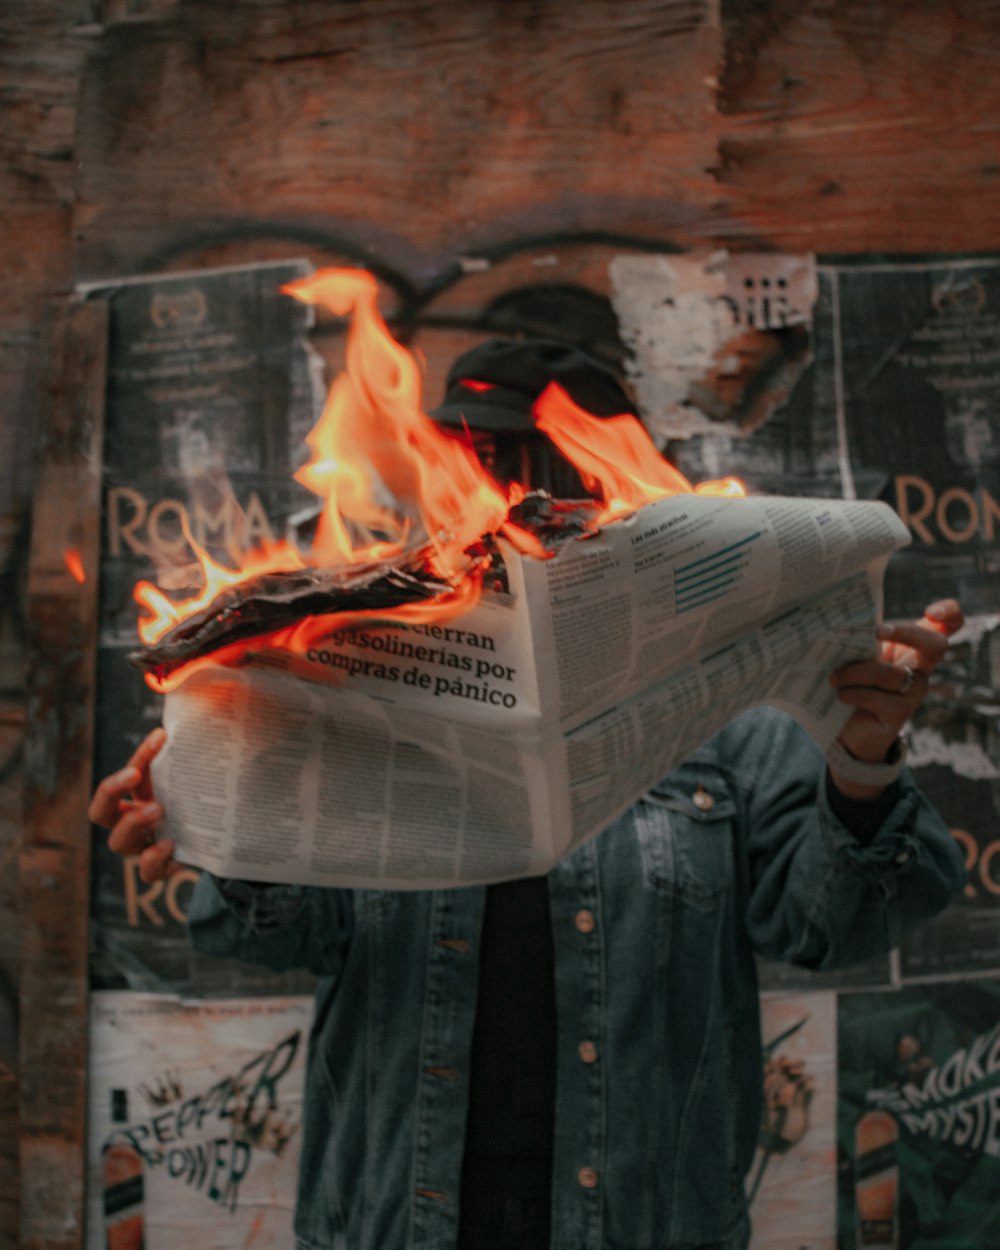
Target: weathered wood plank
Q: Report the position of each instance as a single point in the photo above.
(398, 126)
(55, 885)
(862, 127)
(40, 58)
(11, 816)
(418, 131)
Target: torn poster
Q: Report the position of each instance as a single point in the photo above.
(919, 1117)
(718, 342)
(792, 1183)
(908, 367)
(211, 388)
(194, 1121)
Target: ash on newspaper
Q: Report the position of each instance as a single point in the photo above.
(279, 599)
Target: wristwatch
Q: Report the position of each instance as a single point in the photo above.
(850, 768)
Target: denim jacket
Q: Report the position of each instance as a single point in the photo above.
(655, 924)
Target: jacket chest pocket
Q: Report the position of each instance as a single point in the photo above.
(686, 843)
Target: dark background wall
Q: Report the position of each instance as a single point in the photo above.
(144, 136)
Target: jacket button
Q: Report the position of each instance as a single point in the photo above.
(584, 921)
(588, 1178)
(702, 800)
(587, 1052)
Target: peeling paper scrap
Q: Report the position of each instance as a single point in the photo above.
(966, 759)
(717, 342)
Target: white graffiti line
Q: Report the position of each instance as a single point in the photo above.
(966, 759)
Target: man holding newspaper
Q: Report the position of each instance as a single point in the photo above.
(574, 1060)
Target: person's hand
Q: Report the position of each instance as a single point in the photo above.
(125, 804)
(887, 690)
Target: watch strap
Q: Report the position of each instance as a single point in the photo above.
(862, 773)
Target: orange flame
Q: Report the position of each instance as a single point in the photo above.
(391, 481)
(298, 638)
(374, 428)
(163, 613)
(615, 457)
(74, 562)
(388, 477)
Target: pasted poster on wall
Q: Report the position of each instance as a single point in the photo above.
(210, 391)
(194, 1121)
(908, 368)
(918, 349)
(792, 1183)
(966, 937)
(919, 1117)
(900, 401)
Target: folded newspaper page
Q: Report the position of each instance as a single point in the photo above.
(490, 747)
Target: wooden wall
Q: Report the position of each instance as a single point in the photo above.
(157, 134)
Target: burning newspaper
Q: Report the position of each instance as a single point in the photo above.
(473, 708)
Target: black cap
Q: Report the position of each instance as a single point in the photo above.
(508, 376)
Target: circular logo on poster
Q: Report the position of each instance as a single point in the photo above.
(958, 294)
(178, 310)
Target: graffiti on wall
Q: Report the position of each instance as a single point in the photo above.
(194, 1117)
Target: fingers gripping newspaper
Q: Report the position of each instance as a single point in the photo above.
(488, 748)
